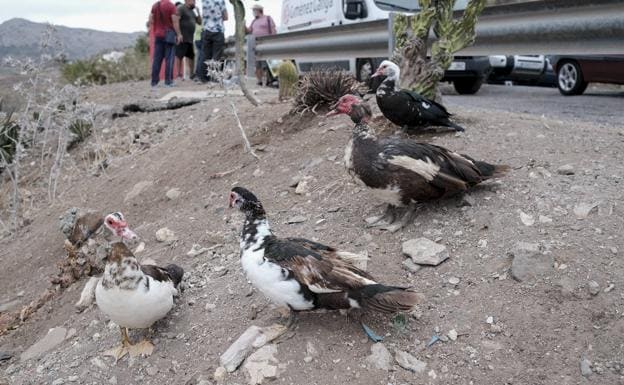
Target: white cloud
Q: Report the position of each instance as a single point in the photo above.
(108, 15)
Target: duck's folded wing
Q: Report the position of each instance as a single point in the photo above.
(172, 273)
(85, 227)
(429, 108)
(315, 265)
(439, 166)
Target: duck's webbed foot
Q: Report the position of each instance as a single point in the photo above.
(388, 217)
(143, 348)
(121, 350)
(406, 218)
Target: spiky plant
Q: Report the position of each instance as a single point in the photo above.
(79, 130)
(322, 88)
(9, 131)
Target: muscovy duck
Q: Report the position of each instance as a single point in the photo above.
(93, 223)
(135, 296)
(405, 108)
(402, 172)
(304, 275)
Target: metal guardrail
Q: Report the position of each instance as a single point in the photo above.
(535, 27)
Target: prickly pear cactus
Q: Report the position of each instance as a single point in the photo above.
(418, 72)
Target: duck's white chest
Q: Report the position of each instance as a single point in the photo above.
(272, 280)
(136, 308)
(348, 156)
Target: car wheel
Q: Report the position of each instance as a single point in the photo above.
(570, 78)
(468, 86)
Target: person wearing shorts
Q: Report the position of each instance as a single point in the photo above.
(262, 25)
(189, 18)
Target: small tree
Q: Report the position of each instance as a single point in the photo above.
(239, 18)
(411, 32)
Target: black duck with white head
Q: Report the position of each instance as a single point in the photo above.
(405, 108)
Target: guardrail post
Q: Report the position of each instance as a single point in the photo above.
(251, 55)
(391, 42)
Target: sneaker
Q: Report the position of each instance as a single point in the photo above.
(170, 85)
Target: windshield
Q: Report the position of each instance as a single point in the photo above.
(411, 5)
(398, 5)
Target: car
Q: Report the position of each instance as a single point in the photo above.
(574, 72)
(520, 69)
(467, 73)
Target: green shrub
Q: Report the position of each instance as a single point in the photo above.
(134, 65)
(141, 47)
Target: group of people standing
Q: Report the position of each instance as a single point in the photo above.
(181, 34)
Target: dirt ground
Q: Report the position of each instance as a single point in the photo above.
(542, 328)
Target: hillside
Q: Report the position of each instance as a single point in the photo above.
(21, 38)
(561, 314)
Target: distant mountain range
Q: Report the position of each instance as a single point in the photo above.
(21, 38)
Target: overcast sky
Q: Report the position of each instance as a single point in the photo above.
(106, 15)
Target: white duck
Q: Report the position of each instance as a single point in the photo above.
(135, 296)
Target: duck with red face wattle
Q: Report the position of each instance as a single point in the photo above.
(135, 296)
(403, 172)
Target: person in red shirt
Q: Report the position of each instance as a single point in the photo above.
(262, 25)
(165, 23)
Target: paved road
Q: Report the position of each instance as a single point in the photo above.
(599, 104)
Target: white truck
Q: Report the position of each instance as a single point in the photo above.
(300, 15)
(466, 73)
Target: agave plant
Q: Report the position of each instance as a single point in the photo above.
(9, 131)
(79, 129)
(322, 88)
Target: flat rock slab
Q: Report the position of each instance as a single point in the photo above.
(380, 357)
(137, 189)
(254, 337)
(201, 95)
(529, 262)
(51, 340)
(166, 235)
(583, 209)
(409, 362)
(262, 365)
(424, 251)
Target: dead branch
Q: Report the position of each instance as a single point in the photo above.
(242, 130)
(239, 17)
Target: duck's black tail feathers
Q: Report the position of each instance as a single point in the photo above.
(491, 170)
(386, 299)
(454, 126)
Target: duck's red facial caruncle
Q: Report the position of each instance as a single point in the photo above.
(235, 200)
(116, 223)
(344, 105)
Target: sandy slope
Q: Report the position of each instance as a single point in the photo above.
(543, 326)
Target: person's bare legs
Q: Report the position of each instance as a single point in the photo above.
(259, 75)
(178, 63)
(190, 65)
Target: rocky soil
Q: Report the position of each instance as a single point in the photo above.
(531, 291)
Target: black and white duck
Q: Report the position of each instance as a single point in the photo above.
(135, 296)
(304, 275)
(405, 108)
(402, 172)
